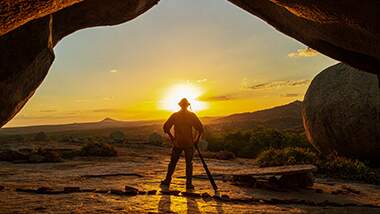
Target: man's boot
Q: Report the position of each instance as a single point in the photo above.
(165, 182)
(189, 186)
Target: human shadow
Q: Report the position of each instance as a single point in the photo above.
(219, 207)
(192, 206)
(164, 204)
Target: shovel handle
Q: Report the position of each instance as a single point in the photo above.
(209, 175)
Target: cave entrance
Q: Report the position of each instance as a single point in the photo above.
(237, 63)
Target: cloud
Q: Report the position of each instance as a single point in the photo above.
(106, 110)
(41, 117)
(107, 98)
(202, 80)
(291, 95)
(82, 101)
(304, 52)
(279, 84)
(244, 83)
(48, 110)
(113, 71)
(218, 98)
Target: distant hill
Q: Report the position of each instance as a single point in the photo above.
(105, 123)
(281, 117)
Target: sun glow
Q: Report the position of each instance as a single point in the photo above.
(177, 92)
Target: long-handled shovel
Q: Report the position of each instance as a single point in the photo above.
(209, 175)
(213, 184)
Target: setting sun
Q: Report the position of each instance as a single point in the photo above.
(175, 93)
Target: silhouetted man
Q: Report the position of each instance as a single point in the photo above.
(183, 140)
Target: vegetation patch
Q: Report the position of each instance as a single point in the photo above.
(12, 155)
(118, 137)
(331, 166)
(250, 143)
(98, 149)
(286, 156)
(41, 136)
(38, 155)
(41, 155)
(345, 168)
(155, 139)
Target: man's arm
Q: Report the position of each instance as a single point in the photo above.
(167, 127)
(198, 127)
(199, 134)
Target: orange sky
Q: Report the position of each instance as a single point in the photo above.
(231, 61)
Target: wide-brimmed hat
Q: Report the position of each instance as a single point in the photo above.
(184, 102)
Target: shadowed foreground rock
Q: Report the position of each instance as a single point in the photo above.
(29, 29)
(341, 113)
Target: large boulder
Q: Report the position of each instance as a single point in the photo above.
(341, 113)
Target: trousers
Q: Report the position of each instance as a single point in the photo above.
(176, 153)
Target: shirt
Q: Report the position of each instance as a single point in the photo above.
(183, 121)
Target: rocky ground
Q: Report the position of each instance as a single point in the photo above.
(147, 165)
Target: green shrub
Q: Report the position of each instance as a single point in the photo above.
(41, 136)
(155, 139)
(286, 156)
(251, 143)
(18, 138)
(41, 155)
(203, 145)
(98, 149)
(12, 155)
(292, 139)
(331, 166)
(117, 137)
(215, 144)
(237, 143)
(341, 167)
(215, 141)
(70, 153)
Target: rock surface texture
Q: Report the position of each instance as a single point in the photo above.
(29, 29)
(341, 113)
(345, 30)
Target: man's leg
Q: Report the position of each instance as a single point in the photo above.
(189, 167)
(176, 153)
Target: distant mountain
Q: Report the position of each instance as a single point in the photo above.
(105, 123)
(108, 120)
(281, 117)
